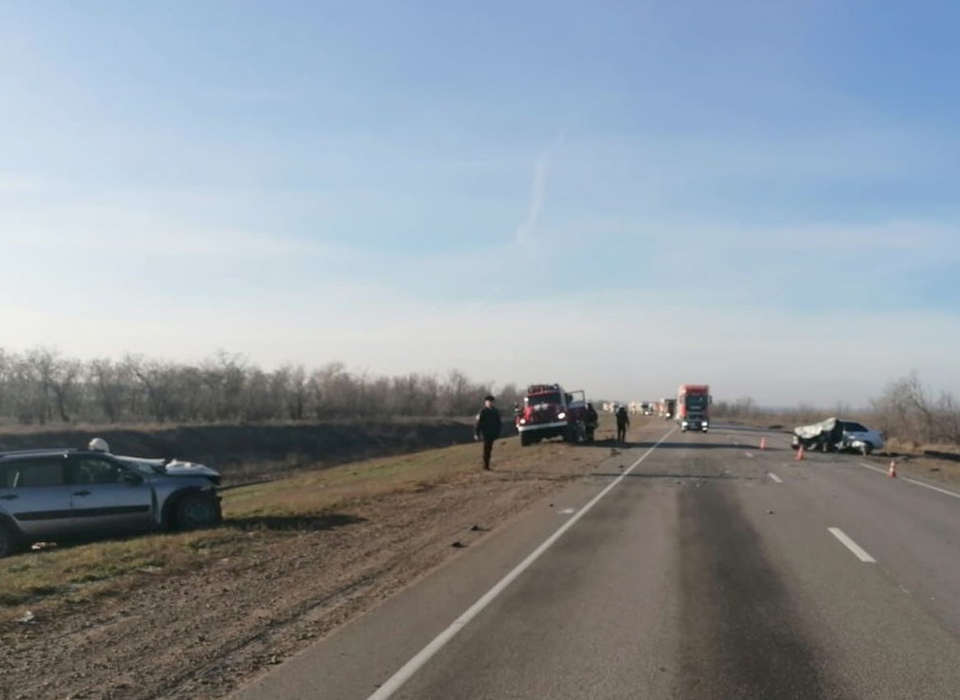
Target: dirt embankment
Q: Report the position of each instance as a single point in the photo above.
(242, 452)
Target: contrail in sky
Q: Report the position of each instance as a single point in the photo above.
(538, 193)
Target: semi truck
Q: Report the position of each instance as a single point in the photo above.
(666, 408)
(693, 407)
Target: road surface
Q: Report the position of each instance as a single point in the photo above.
(688, 566)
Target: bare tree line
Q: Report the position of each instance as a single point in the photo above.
(743, 408)
(911, 413)
(40, 386)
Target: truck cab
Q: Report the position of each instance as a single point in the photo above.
(693, 407)
(548, 412)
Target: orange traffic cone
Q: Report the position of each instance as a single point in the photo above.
(892, 471)
(800, 453)
(763, 443)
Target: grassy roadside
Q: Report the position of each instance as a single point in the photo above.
(254, 517)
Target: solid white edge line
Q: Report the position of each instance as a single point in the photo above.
(859, 551)
(945, 492)
(775, 477)
(396, 681)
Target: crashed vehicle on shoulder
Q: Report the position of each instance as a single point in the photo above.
(836, 435)
(54, 495)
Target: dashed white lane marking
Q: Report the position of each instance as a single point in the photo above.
(858, 551)
(775, 478)
(945, 492)
(567, 511)
(406, 672)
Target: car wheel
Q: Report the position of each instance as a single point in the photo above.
(196, 510)
(9, 542)
(524, 440)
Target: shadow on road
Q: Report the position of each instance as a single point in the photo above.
(518, 474)
(683, 446)
(330, 521)
(666, 475)
(751, 428)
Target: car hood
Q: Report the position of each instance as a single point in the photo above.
(175, 467)
(178, 468)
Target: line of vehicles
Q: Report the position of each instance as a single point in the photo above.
(549, 411)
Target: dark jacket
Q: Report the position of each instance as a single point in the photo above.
(488, 423)
(592, 416)
(623, 418)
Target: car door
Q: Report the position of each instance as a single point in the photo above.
(107, 496)
(36, 493)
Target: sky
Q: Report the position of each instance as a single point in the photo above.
(618, 196)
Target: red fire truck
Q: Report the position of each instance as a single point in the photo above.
(693, 407)
(548, 412)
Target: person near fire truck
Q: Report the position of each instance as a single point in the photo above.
(488, 428)
(623, 420)
(592, 421)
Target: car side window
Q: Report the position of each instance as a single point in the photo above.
(854, 427)
(35, 473)
(93, 470)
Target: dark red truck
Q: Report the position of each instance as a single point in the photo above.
(549, 412)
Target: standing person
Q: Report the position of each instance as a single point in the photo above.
(488, 428)
(593, 420)
(623, 420)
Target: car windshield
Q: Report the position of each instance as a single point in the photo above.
(538, 399)
(697, 402)
(854, 427)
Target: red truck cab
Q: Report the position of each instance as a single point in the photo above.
(548, 412)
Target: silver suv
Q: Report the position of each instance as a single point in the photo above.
(50, 495)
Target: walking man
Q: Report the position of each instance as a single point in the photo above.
(623, 420)
(488, 428)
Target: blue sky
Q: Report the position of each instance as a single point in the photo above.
(619, 195)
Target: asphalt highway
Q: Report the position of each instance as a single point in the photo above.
(687, 566)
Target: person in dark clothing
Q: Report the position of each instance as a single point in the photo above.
(623, 420)
(488, 428)
(593, 420)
